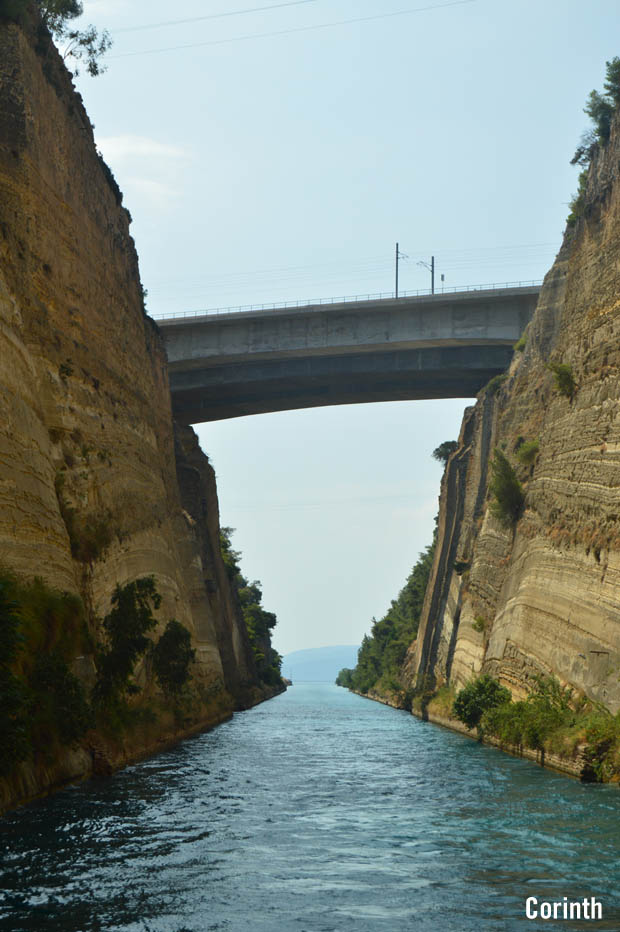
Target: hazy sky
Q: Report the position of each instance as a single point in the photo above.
(279, 154)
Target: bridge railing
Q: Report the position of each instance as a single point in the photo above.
(386, 295)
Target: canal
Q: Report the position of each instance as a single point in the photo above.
(318, 811)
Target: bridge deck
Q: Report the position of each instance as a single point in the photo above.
(422, 346)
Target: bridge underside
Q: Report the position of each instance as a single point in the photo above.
(216, 392)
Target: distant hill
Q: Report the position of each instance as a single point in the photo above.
(318, 664)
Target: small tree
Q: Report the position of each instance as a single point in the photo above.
(600, 108)
(126, 627)
(477, 698)
(85, 45)
(527, 452)
(564, 378)
(577, 202)
(506, 490)
(345, 678)
(612, 80)
(444, 451)
(89, 46)
(172, 656)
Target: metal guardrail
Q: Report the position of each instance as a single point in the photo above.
(346, 298)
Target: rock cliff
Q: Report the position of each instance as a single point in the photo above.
(95, 487)
(541, 596)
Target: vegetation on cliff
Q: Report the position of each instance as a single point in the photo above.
(477, 698)
(259, 622)
(444, 451)
(125, 631)
(382, 653)
(553, 718)
(172, 656)
(507, 491)
(601, 109)
(55, 19)
(44, 706)
(563, 378)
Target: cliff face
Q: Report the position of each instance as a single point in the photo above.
(90, 495)
(543, 596)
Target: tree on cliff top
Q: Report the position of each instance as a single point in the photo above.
(444, 451)
(600, 108)
(258, 622)
(56, 18)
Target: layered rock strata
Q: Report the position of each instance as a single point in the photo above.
(95, 490)
(542, 596)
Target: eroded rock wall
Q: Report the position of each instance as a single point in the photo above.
(89, 490)
(543, 596)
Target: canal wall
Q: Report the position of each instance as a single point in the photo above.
(540, 595)
(98, 486)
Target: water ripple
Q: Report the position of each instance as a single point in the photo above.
(319, 812)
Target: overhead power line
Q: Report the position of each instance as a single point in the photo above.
(298, 29)
(452, 259)
(199, 19)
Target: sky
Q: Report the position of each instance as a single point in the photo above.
(277, 151)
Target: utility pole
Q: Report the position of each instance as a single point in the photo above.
(399, 255)
(431, 269)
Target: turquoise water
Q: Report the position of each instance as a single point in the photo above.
(316, 811)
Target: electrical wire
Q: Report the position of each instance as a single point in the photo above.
(373, 260)
(199, 19)
(348, 502)
(298, 29)
(364, 268)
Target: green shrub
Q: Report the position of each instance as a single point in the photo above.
(383, 651)
(577, 202)
(478, 697)
(94, 536)
(521, 342)
(259, 623)
(493, 385)
(42, 703)
(506, 489)
(108, 174)
(528, 451)
(345, 678)
(551, 718)
(14, 744)
(58, 703)
(125, 628)
(532, 722)
(479, 624)
(506, 722)
(172, 656)
(603, 745)
(564, 378)
(89, 535)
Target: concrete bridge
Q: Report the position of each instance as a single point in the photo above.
(385, 349)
